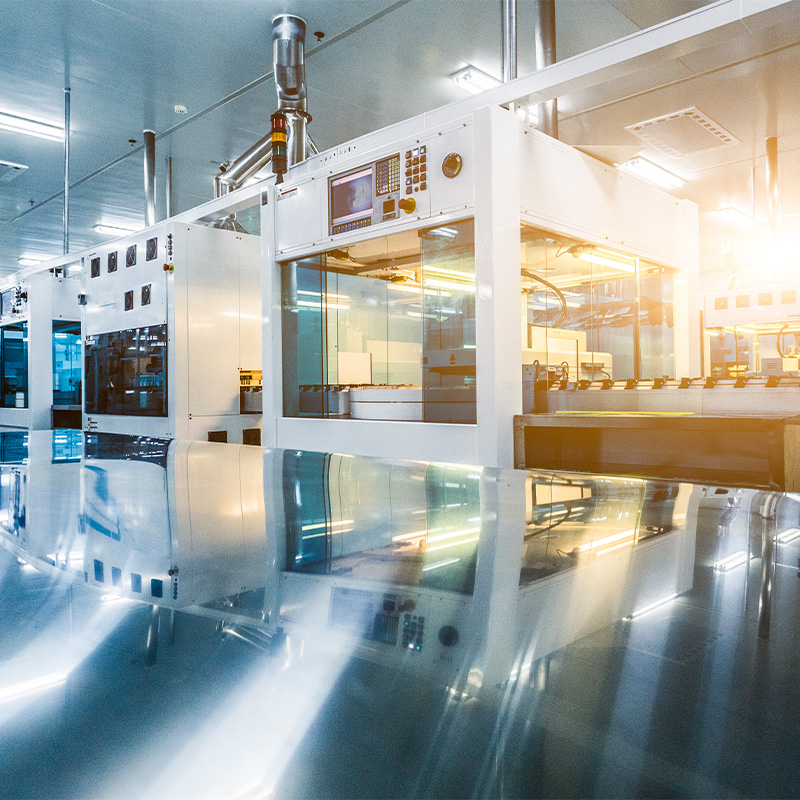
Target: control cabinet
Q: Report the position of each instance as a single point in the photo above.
(402, 183)
(170, 317)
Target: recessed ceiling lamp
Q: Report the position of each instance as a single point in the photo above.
(31, 127)
(606, 258)
(27, 261)
(652, 173)
(473, 80)
(113, 230)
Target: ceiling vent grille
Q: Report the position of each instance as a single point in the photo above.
(9, 171)
(683, 133)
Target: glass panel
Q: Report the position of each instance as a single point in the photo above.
(730, 353)
(354, 329)
(66, 363)
(582, 316)
(15, 365)
(303, 331)
(447, 255)
(126, 372)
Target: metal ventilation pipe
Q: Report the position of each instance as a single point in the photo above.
(545, 55)
(149, 178)
(289, 67)
(289, 58)
(773, 198)
(508, 10)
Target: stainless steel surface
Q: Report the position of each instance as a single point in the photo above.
(545, 42)
(253, 160)
(289, 64)
(773, 202)
(768, 513)
(508, 12)
(66, 169)
(170, 201)
(149, 178)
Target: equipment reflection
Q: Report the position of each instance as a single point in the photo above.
(348, 626)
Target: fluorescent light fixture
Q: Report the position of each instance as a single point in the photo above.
(114, 230)
(606, 258)
(652, 173)
(32, 686)
(652, 607)
(731, 562)
(26, 261)
(473, 80)
(31, 127)
(789, 536)
(734, 217)
(443, 231)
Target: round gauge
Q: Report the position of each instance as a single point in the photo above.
(452, 164)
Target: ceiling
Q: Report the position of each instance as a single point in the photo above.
(129, 62)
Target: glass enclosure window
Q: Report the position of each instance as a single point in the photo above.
(14, 358)
(126, 372)
(66, 363)
(383, 329)
(591, 313)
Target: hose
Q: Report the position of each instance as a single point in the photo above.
(559, 294)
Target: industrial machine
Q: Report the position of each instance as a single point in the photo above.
(170, 317)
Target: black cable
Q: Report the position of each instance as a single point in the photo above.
(561, 299)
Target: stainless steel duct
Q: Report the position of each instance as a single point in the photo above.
(508, 10)
(149, 178)
(545, 34)
(289, 58)
(66, 169)
(289, 67)
(773, 196)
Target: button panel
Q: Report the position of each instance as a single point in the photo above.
(351, 226)
(413, 632)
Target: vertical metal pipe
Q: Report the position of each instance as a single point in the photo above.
(773, 204)
(149, 178)
(508, 10)
(768, 526)
(170, 207)
(67, 92)
(545, 41)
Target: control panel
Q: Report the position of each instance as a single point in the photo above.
(377, 192)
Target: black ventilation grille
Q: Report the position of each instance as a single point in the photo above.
(152, 249)
(112, 261)
(146, 294)
(129, 300)
(130, 256)
(95, 267)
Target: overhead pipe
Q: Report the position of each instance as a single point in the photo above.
(67, 92)
(545, 46)
(288, 61)
(508, 10)
(773, 202)
(149, 178)
(170, 201)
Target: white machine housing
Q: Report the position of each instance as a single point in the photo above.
(202, 283)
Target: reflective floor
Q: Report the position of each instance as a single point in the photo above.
(349, 628)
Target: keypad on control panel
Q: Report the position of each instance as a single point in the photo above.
(413, 631)
(351, 226)
(416, 173)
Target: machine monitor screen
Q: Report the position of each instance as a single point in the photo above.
(351, 196)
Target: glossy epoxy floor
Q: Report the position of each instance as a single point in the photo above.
(683, 702)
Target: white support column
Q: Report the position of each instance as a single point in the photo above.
(271, 341)
(497, 283)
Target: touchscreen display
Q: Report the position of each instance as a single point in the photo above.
(351, 196)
